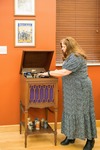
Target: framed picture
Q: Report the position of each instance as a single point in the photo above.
(25, 7)
(24, 32)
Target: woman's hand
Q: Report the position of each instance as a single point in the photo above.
(43, 74)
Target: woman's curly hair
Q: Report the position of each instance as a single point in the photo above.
(72, 47)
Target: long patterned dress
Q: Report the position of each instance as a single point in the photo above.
(78, 119)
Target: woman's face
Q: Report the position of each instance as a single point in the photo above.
(63, 47)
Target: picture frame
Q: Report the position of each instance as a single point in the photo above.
(24, 33)
(24, 7)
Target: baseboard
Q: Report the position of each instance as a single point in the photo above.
(98, 123)
(14, 128)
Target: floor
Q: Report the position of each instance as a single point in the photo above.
(11, 139)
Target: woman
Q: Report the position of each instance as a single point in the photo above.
(78, 119)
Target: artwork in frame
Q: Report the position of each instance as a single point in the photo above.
(24, 33)
(25, 7)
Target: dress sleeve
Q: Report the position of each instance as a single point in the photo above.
(73, 63)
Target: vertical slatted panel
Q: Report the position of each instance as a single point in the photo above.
(81, 20)
(42, 93)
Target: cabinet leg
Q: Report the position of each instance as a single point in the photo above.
(26, 116)
(55, 138)
(46, 114)
(25, 140)
(55, 127)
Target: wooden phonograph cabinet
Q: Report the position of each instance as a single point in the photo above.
(37, 92)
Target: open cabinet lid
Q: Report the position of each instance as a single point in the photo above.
(36, 60)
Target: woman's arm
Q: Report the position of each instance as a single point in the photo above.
(56, 73)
